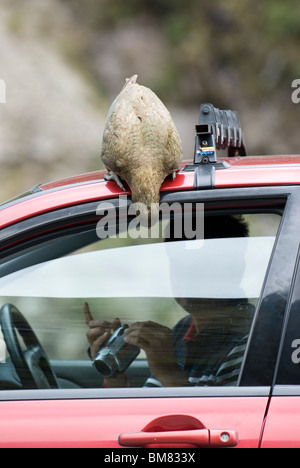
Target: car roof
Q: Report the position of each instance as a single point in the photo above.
(247, 171)
(240, 174)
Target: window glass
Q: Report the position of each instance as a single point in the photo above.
(188, 304)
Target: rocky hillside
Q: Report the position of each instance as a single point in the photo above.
(52, 121)
(63, 62)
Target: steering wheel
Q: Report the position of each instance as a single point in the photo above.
(32, 365)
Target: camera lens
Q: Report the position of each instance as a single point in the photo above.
(105, 363)
(103, 368)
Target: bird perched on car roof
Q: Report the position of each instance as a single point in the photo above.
(140, 146)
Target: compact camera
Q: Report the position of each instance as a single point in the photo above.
(116, 356)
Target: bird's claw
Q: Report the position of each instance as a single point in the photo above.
(111, 176)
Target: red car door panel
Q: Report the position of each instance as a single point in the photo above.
(193, 422)
(282, 426)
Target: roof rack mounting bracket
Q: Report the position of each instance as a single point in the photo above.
(217, 129)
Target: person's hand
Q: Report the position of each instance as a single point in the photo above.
(157, 342)
(99, 331)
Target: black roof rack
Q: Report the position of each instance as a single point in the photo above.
(216, 130)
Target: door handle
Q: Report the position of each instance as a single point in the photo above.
(195, 437)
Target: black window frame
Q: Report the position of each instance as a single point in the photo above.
(287, 375)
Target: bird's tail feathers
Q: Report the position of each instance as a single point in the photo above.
(129, 81)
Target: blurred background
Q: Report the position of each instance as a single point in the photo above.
(64, 61)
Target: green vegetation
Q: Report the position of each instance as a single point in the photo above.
(211, 44)
(64, 61)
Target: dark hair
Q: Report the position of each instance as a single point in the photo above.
(216, 226)
(225, 226)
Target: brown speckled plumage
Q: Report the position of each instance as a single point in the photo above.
(140, 144)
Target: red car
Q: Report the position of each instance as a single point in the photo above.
(213, 312)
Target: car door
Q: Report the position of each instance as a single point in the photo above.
(55, 262)
(282, 423)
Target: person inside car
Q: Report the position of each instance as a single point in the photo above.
(206, 347)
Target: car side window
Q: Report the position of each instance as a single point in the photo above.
(133, 311)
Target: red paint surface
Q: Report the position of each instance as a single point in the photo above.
(244, 172)
(98, 423)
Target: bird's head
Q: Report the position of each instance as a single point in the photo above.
(147, 215)
(145, 183)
